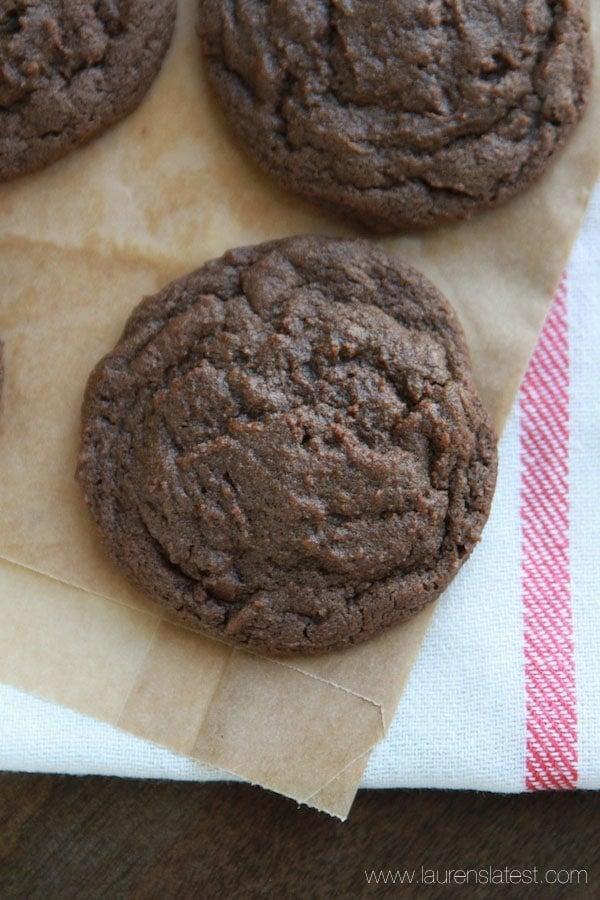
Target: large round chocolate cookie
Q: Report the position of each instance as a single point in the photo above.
(286, 447)
(400, 113)
(70, 68)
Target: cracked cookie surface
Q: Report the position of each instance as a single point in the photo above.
(71, 68)
(286, 447)
(400, 113)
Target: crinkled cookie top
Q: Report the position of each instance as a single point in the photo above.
(286, 447)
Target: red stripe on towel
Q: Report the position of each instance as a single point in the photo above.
(551, 752)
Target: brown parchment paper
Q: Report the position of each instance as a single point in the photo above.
(80, 243)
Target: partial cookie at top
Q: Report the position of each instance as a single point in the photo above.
(286, 447)
(400, 113)
(71, 68)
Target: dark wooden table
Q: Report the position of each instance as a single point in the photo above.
(104, 837)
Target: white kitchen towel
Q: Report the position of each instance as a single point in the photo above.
(505, 694)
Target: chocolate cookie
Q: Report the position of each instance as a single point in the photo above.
(286, 447)
(400, 113)
(70, 68)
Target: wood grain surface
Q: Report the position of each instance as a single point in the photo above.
(109, 838)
